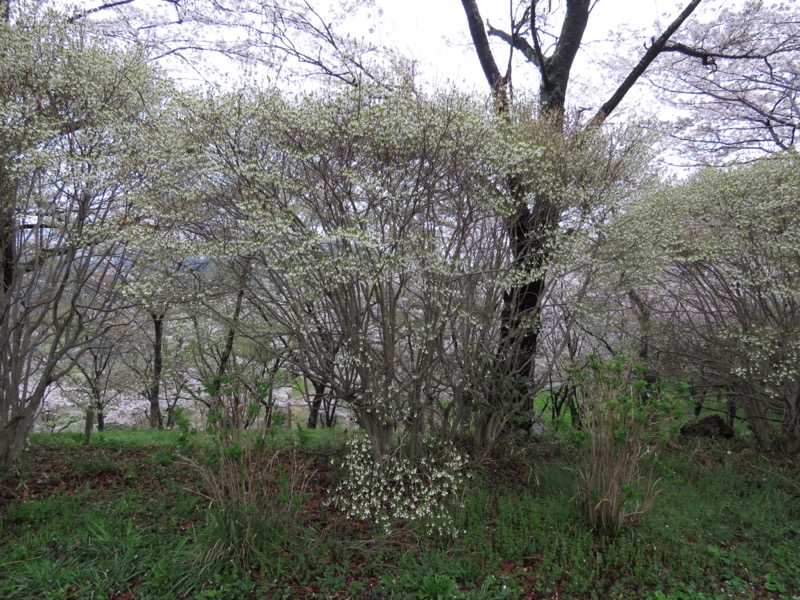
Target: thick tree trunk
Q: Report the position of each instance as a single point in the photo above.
(530, 232)
(12, 439)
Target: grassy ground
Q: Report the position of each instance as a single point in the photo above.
(123, 519)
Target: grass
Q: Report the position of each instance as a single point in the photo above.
(143, 438)
(121, 519)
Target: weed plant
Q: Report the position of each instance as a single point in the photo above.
(254, 492)
(616, 422)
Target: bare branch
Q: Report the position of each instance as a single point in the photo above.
(484, 51)
(515, 41)
(655, 49)
(709, 58)
(86, 13)
(537, 48)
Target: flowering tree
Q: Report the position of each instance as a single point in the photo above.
(733, 75)
(71, 110)
(721, 254)
(365, 221)
(94, 381)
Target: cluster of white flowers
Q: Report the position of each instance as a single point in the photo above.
(397, 491)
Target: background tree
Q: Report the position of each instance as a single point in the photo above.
(732, 75)
(721, 260)
(94, 382)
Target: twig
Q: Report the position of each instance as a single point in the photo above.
(14, 562)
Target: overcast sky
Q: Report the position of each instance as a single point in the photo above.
(435, 34)
(435, 31)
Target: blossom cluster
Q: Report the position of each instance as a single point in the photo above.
(398, 490)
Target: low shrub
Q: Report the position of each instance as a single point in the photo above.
(615, 420)
(397, 491)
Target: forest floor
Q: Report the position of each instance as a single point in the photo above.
(130, 517)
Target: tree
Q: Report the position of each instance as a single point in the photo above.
(93, 382)
(733, 76)
(721, 254)
(71, 110)
(366, 222)
(538, 209)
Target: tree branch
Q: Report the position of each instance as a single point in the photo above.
(558, 66)
(708, 58)
(84, 14)
(655, 49)
(481, 43)
(537, 48)
(516, 41)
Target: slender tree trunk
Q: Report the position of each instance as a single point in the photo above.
(316, 403)
(8, 254)
(101, 418)
(730, 405)
(791, 425)
(330, 405)
(225, 357)
(643, 317)
(154, 391)
(87, 428)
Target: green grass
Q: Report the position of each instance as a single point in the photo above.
(142, 438)
(120, 519)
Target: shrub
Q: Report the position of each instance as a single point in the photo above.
(397, 491)
(616, 421)
(254, 494)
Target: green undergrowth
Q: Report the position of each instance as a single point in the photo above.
(124, 519)
(310, 439)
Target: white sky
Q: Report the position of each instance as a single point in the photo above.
(435, 32)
